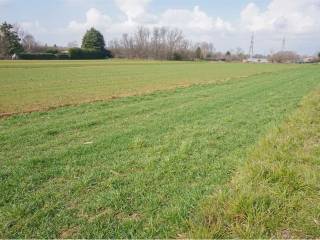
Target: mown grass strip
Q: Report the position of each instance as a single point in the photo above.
(276, 194)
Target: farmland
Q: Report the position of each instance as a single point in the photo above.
(150, 157)
(41, 85)
(276, 192)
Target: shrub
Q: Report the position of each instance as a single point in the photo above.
(198, 53)
(37, 56)
(63, 56)
(177, 56)
(79, 53)
(52, 50)
(108, 53)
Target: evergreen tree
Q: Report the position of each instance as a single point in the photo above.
(9, 40)
(93, 39)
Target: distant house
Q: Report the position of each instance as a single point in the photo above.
(308, 60)
(256, 60)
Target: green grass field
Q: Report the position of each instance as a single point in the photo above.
(275, 194)
(144, 166)
(41, 85)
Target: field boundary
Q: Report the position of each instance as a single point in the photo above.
(275, 193)
(77, 64)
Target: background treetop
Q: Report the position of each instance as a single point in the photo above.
(93, 39)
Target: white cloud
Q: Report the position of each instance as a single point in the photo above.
(296, 19)
(190, 21)
(132, 8)
(94, 18)
(287, 16)
(196, 20)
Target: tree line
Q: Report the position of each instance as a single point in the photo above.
(14, 43)
(159, 43)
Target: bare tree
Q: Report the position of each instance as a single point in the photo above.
(18, 29)
(73, 44)
(174, 38)
(116, 49)
(239, 55)
(285, 57)
(29, 43)
(158, 43)
(141, 39)
(127, 45)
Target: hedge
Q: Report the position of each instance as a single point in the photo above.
(37, 56)
(63, 56)
(80, 53)
(74, 53)
(53, 51)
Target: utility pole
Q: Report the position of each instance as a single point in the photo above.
(251, 50)
(283, 44)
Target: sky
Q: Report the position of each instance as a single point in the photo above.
(228, 24)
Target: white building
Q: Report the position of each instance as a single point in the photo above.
(256, 60)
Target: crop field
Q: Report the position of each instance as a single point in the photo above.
(170, 150)
(41, 85)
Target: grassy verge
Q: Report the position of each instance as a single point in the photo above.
(41, 85)
(276, 194)
(135, 167)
